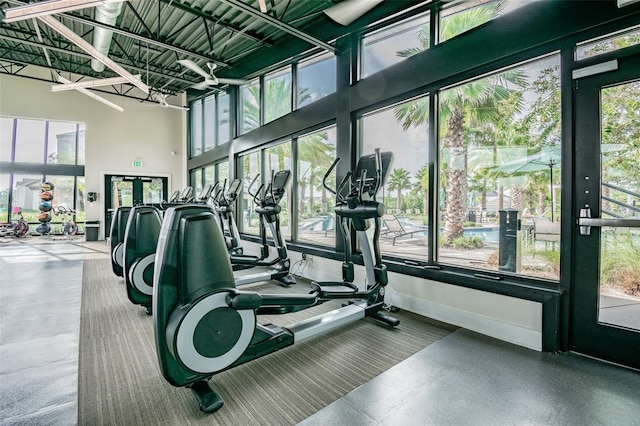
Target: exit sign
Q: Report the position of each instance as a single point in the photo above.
(136, 163)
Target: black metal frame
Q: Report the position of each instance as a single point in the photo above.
(534, 30)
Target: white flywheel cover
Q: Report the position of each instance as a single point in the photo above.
(118, 254)
(136, 274)
(185, 348)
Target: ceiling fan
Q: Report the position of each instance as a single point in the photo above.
(209, 78)
(161, 100)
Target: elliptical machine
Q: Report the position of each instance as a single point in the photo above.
(267, 198)
(224, 200)
(204, 325)
(138, 247)
(139, 253)
(116, 238)
(121, 218)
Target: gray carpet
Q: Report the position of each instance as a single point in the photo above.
(120, 382)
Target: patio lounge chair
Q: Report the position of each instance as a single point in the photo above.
(547, 231)
(394, 228)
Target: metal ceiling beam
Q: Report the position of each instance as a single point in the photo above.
(233, 28)
(149, 40)
(95, 96)
(88, 84)
(136, 36)
(59, 27)
(279, 24)
(47, 8)
(23, 65)
(87, 56)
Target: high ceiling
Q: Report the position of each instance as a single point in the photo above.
(150, 36)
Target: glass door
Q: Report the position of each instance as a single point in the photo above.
(605, 319)
(123, 191)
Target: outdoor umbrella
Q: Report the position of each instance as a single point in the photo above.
(547, 159)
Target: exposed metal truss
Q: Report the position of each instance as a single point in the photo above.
(150, 36)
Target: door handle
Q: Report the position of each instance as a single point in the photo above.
(585, 221)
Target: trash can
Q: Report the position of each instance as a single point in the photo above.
(472, 216)
(91, 230)
(509, 257)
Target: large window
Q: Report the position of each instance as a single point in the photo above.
(6, 138)
(63, 196)
(316, 219)
(26, 196)
(277, 95)
(316, 78)
(461, 16)
(222, 172)
(403, 129)
(223, 119)
(61, 143)
(209, 122)
(250, 106)
(390, 45)
(4, 197)
(81, 144)
(196, 180)
(56, 143)
(608, 43)
(250, 168)
(278, 158)
(195, 118)
(30, 138)
(209, 175)
(500, 153)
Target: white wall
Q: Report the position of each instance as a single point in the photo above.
(113, 139)
(503, 317)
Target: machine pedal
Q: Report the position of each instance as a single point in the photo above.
(333, 289)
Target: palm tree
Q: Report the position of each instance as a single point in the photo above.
(399, 180)
(250, 108)
(422, 185)
(319, 153)
(278, 93)
(482, 181)
(475, 103)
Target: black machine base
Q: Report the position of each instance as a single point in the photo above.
(209, 400)
(386, 319)
(287, 280)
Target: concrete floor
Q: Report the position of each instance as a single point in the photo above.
(463, 379)
(40, 289)
(470, 379)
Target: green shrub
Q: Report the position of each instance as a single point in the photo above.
(467, 243)
(620, 263)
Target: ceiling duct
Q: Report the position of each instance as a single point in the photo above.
(348, 11)
(106, 14)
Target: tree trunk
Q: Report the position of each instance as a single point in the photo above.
(456, 179)
(531, 201)
(311, 184)
(303, 189)
(325, 203)
(398, 201)
(518, 199)
(542, 201)
(425, 203)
